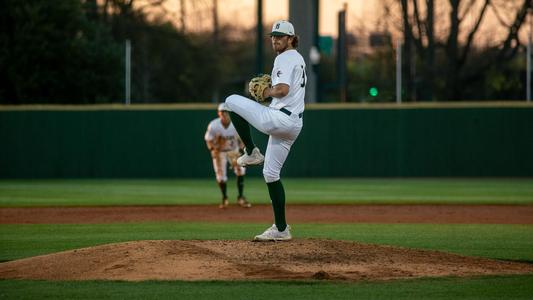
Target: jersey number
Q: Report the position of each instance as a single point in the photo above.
(303, 77)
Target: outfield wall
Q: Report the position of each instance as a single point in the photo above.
(352, 140)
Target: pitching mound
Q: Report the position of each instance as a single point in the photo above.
(245, 260)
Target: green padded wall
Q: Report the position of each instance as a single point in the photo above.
(415, 142)
(166, 142)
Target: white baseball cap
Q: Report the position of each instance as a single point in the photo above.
(281, 28)
(223, 107)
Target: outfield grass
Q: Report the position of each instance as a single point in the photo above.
(486, 288)
(509, 242)
(312, 191)
(512, 242)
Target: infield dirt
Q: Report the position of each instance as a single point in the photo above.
(300, 259)
(435, 214)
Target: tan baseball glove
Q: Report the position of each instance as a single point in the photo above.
(232, 157)
(257, 86)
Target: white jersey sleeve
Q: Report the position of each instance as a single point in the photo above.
(211, 134)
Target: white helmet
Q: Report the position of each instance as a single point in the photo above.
(282, 28)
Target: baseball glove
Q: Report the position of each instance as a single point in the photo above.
(232, 157)
(257, 86)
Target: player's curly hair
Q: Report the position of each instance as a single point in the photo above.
(295, 40)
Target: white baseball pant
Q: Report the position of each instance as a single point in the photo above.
(220, 165)
(282, 129)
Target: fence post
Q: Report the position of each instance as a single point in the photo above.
(127, 79)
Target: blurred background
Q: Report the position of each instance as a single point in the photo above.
(175, 51)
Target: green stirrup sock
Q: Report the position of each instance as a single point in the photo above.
(243, 129)
(277, 195)
(223, 188)
(240, 185)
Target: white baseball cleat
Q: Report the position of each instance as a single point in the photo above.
(256, 158)
(224, 204)
(272, 234)
(242, 202)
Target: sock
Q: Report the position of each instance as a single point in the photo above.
(240, 185)
(223, 189)
(243, 129)
(277, 195)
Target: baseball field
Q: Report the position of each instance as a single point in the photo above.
(354, 238)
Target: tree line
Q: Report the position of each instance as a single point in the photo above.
(72, 51)
(451, 67)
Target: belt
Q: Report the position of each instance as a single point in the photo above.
(288, 113)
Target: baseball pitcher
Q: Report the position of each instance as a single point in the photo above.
(225, 145)
(282, 120)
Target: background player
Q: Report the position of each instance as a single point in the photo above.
(225, 145)
(282, 121)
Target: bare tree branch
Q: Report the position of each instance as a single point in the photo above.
(454, 29)
(498, 16)
(408, 28)
(153, 3)
(459, 70)
(417, 19)
(513, 32)
(472, 34)
(467, 9)
(507, 50)
(105, 11)
(452, 51)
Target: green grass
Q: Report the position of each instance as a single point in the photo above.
(512, 242)
(313, 191)
(487, 288)
(509, 242)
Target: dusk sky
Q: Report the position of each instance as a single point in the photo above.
(366, 15)
(244, 12)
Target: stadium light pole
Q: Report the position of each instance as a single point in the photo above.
(303, 14)
(127, 75)
(342, 53)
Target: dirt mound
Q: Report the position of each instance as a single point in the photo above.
(311, 259)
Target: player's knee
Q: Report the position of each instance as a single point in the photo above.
(270, 176)
(230, 100)
(221, 178)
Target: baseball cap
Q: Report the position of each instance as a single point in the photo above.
(222, 107)
(281, 28)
